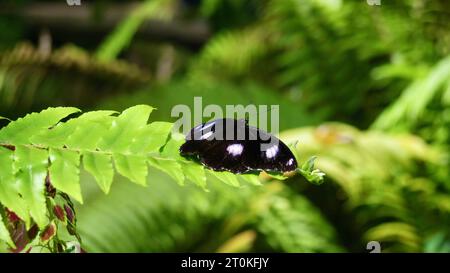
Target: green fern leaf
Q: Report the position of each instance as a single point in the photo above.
(73, 132)
(64, 172)
(4, 234)
(31, 166)
(153, 137)
(41, 146)
(195, 173)
(100, 167)
(9, 193)
(124, 129)
(226, 177)
(132, 167)
(169, 166)
(20, 131)
(251, 179)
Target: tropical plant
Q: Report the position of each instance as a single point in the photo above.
(122, 36)
(32, 80)
(383, 69)
(382, 195)
(373, 193)
(318, 52)
(184, 219)
(424, 108)
(42, 155)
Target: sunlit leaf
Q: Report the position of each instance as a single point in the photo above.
(83, 132)
(152, 137)
(64, 172)
(312, 175)
(99, 166)
(122, 134)
(132, 167)
(21, 130)
(31, 166)
(9, 193)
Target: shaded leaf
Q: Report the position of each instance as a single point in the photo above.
(4, 234)
(278, 176)
(251, 178)
(169, 166)
(195, 173)
(226, 177)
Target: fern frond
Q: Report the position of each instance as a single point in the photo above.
(375, 175)
(70, 58)
(183, 219)
(41, 145)
(30, 80)
(4, 233)
(291, 224)
(231, 54)
(47, 149)
(413, 103)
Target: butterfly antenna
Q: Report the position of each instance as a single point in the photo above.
(294, 144)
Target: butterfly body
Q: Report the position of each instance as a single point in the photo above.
(232, 145)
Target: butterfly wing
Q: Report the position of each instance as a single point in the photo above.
(230, 145)
(198, 139)
(226, 156)
(274, 155)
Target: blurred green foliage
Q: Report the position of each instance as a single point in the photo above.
(379, 74)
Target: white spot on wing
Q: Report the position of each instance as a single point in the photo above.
(272, 151)
(235, 149)
(290, 162)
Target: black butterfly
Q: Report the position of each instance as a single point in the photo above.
(232, 145)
